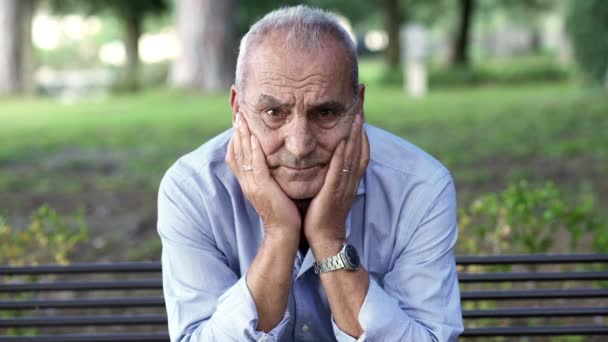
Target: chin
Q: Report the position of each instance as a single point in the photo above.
(301, 190)
(302, 185)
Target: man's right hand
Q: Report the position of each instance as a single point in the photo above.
(278, 212)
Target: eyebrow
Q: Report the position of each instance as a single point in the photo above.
(265, 100)
(333, 105)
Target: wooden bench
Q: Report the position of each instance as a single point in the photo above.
(520, 295)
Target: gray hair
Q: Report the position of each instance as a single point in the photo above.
(303, 28)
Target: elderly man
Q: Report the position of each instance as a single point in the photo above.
(302, 223)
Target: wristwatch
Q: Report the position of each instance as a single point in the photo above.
(347, 259)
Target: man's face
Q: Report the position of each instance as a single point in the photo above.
(299, 105)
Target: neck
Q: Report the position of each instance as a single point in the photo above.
(302, 206)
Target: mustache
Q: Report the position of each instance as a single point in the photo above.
(291, 161)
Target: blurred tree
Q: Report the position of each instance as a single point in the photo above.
(395, 15)
(460, 54)
(206, 31)
(587, 23)
(131, 13)
(15, 45)
(529, 12)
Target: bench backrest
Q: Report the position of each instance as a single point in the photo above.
(527, 295)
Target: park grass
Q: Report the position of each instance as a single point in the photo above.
(60, 153)
(145, 133)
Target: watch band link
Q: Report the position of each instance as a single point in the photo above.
(330, 264)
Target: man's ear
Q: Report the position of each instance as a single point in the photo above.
(361, 101)
(234, 102)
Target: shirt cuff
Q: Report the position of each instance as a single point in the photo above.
(377, 303)
(238, 309)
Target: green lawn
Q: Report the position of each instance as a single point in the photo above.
(101, 151)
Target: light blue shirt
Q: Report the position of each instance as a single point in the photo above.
(403, 223)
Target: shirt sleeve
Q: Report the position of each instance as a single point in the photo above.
(418, 299)
(205, 299)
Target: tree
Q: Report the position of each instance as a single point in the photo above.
(587, 24)
(131, 13)
(15, 45)
(394, 19)
(207, 34)
(460, 57)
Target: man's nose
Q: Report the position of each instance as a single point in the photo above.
(300, 138)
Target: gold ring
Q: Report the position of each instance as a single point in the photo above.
(247, 167)
(346, 170)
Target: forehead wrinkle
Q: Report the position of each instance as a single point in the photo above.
(272, 75)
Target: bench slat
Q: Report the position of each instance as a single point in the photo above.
(536, 331)
(155, 284)
(536, 312)
(83, 268)
(73, 321)
(533, 294)
(530, 259)
(127, 337)
(530, 276)
(93, 303)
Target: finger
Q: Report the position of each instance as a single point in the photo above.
(236, 146)
(365, 152)
(230, 154)
(334, 173)
(260, 168)
(351, 145)
(245, 139)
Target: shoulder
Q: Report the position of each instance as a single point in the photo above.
(204, 164)
(396, 156)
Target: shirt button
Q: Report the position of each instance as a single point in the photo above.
(305, 328)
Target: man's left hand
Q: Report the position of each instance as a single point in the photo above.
(325, 221)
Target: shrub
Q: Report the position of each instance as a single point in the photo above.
(48, 238)
(525, 219)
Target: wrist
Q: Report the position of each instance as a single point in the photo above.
(326, 248)
(282, 238)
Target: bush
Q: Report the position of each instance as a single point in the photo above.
(48, 238)
(525, 219)
(587, 24)
(519, 70)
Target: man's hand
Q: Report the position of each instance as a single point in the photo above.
(279, 214)
(269, 276)
(325, 222)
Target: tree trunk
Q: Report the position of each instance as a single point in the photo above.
(15, 46)
(132, 25)
(207, 35)
(393, 22)
(461, 46)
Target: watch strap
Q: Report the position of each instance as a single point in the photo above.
(329, 264)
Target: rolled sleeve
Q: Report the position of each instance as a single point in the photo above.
(418, 299)
(205, 299)
(236, 310)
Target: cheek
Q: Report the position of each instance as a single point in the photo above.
(270, 140)
(330, 138)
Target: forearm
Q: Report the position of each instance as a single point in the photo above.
(345, 290)
(269, 279)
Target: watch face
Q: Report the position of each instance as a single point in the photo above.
(352, 256)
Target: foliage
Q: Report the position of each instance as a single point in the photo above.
(527, 219)
(524, 70)
(587, 23)
(120, 8)
(49, 238)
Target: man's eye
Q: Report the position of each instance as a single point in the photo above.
(326, 113)
(273, 113)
